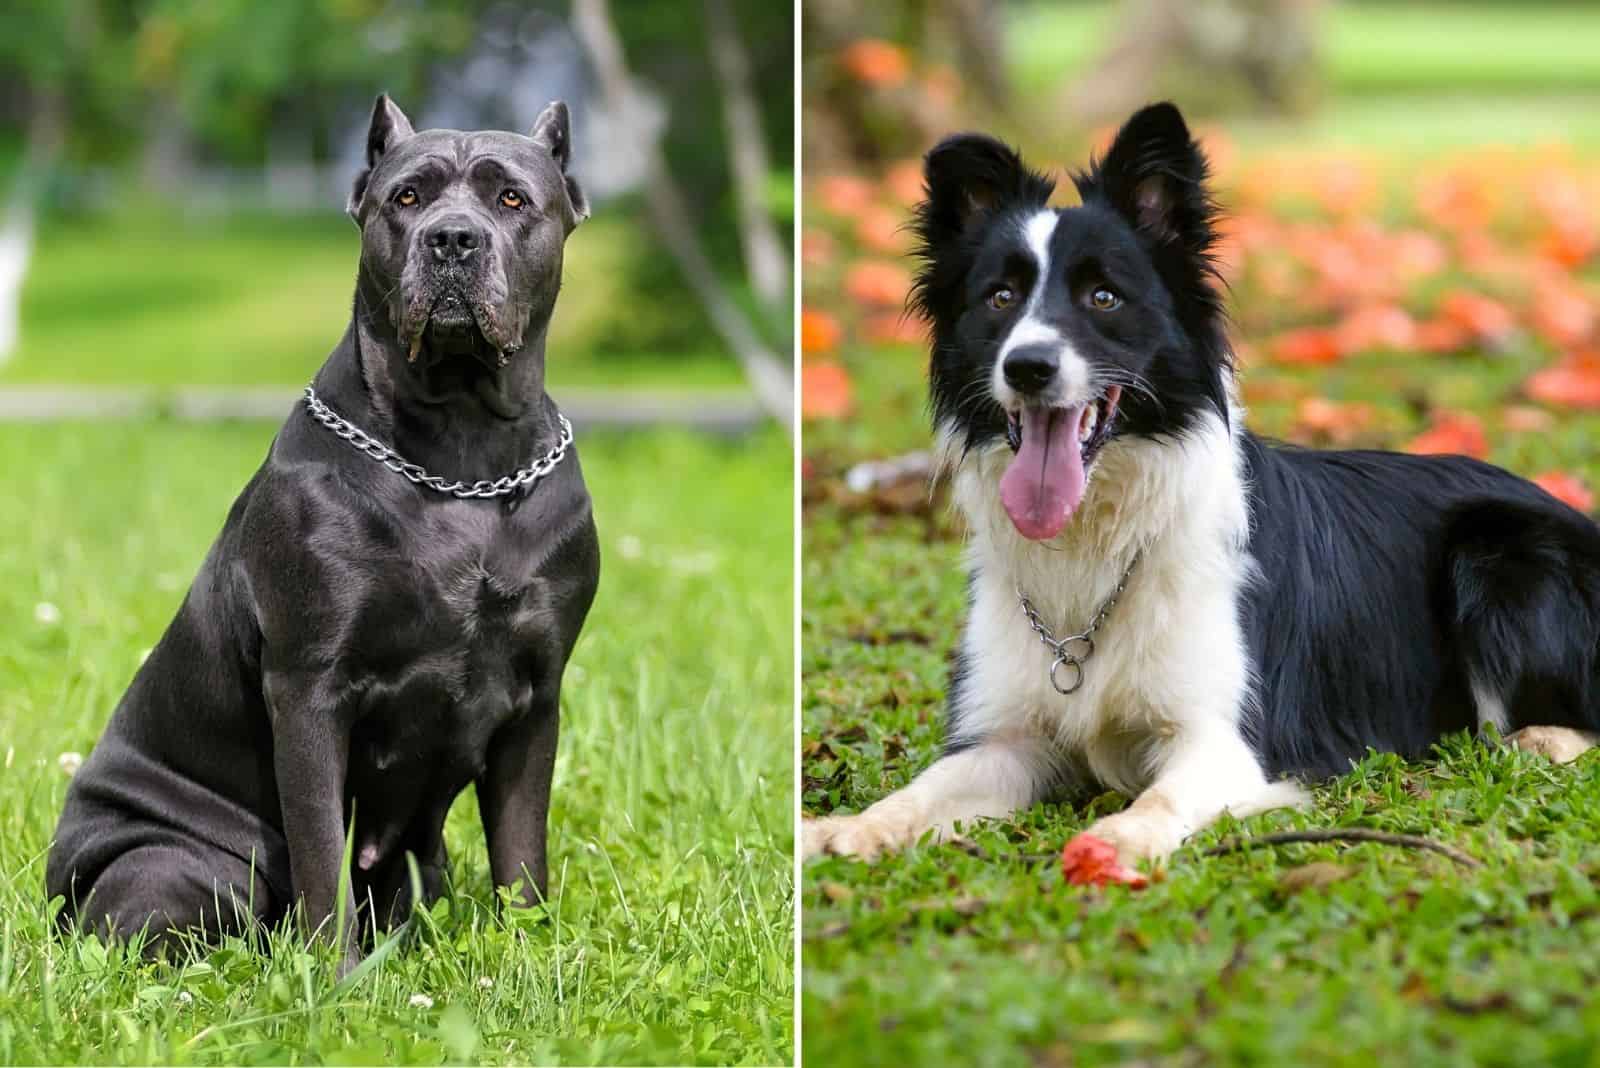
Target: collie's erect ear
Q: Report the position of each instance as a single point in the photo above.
(389, 126)
(971, 174)
(1155, 176)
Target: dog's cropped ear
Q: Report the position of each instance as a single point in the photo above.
(971, 174)
(1155, 177)
(552, 130)
(388, 128)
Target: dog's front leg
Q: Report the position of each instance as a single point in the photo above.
(514, 798)
(1206, 771)
(999, 775)
(310, 757)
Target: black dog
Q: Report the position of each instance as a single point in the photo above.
(364, 639)
(1159, 601)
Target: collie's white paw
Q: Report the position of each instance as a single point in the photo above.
(1139, 834)
(1560, 744)
(867, 836)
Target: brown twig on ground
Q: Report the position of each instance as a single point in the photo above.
(1344, 834)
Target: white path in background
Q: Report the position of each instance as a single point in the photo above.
(724, 411)
(16, 246)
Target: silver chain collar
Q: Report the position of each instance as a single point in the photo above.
(503, 486)
(1061, 647)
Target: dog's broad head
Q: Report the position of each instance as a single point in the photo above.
(1056, 331)
(462, 232)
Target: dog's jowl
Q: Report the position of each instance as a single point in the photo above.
(1159, 601)
(386, 614)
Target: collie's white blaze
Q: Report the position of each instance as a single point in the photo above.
(1163, 700)
(1072, 383)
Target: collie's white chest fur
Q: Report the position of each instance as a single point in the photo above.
(1172, 649)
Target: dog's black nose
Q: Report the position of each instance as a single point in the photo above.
(1030, 368)
(453, 239)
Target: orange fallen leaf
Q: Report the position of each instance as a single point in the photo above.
(1572, 382)
(818, 248)
(1526, 419)
(1308, 345)
(875, 62)
(1452, 433)
(876, 282)
(1441, 335)
(882, 230)
(894, 328)
(1562, 314)
(904, 181)
(824, 390)
(1090, 861)
(1483, 316)
(1370, 327)
(819, 332)
(1339, 423)
(1567, 488)
(844, 194)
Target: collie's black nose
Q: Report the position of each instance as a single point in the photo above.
(1030, 368)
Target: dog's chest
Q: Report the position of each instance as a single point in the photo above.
(453, 646)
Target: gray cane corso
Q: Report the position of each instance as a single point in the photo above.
(359, 646)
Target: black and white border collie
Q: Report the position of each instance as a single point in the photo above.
(1285, 609)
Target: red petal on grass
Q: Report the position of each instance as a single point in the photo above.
(824, 390)
(1441, 335)
(894, 328)
(1483, 316)
(1562, 314)
(1567, 488)
(1574, 382)
(904, 181)
(874, 62)
(1452, 433)
(1090, 861)
(877, 283)
(817, 248)
(1376, 327)
(844, 194)
(819, 332)
(1309, 345)
(882, 230)
(1339, 423)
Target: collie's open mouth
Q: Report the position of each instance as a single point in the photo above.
(1054, 448)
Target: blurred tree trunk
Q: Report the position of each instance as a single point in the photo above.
(764, 254)
(1209, 56)
(769, 376)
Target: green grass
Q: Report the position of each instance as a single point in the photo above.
(148, 298)
(668, 938)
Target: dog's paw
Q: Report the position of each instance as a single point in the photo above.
(865, 836)
(1139, 836)
(1560, 744)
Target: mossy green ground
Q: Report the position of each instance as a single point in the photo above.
(669, 935)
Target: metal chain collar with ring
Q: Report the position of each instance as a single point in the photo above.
(1065, 657)
(505, 485)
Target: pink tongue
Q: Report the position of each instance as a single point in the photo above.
(1045, 480)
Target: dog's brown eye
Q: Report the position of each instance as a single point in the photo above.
(406, 197)
(1002, 298)
(511, 199)
(1104, 300)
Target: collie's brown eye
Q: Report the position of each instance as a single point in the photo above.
(406, 197)
(1002, 298)
(1104, 300)
(512, 199)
